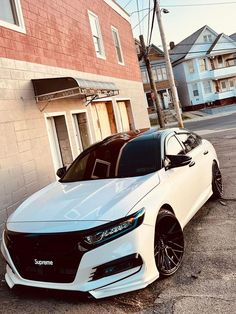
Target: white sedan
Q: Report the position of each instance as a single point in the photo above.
(114, 221)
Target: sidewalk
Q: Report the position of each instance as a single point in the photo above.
(204, 114)
(209, 113)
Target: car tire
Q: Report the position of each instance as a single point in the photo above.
(217, 184)
(168, 243)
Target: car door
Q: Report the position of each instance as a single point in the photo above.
(195, 148)
(185, 180)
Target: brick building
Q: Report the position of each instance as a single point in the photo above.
(55, 57)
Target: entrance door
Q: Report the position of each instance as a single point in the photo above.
(82, 130)
(125, 115)
(59, 141)
(104, 119)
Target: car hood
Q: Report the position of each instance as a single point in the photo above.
(80, 205)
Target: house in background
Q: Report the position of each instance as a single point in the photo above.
(158, 64)
(204, 65)
(233, 36)
(69, 77)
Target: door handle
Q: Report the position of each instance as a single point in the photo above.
(205, 152)
(192, 163)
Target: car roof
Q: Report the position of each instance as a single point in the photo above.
(140, 134)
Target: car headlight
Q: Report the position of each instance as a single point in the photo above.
(111, 231)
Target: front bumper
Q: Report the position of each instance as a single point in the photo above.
(139, 241)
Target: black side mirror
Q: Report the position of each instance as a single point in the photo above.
(174, 161)
(61, 172)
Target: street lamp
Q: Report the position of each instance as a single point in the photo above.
(165, 11)
(173, 88)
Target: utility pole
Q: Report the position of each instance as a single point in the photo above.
(152, 83)
(168, 65)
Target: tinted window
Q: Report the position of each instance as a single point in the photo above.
(116, 159)
(189, 140)
(138, 158)
(173, 146)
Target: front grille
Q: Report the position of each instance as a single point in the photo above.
(59, 251)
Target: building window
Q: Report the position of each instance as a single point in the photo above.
(231, 84)
(202, 65)
(223, 86)
(144, 77)
(190, 66)
(161, 73)
(231, 62)
(195, 90)
(208, 38)
(11, 15)
(154, 73)
(220, 61)
(207, 87)
(97, 35)
(116, 39)
(164, 75)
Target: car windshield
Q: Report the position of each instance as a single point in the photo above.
(116, 159)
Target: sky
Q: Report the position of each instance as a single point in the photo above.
(184, 17)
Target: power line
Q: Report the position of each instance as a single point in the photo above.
(199, 4)
(142, 6)
(153, 17)
(201, 44)
(142, 19)
(192, 52)
(138, 16)
(149, 6)
(206, 43)
(200, 51)
(127, 4)
(188, 5)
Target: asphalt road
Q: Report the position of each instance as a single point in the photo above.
(205, 283)
(212, 124)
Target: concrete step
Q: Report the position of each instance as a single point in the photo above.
(169, 116)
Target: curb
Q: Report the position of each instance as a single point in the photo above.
(208, 117)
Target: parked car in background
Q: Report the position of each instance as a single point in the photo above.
(114, 221)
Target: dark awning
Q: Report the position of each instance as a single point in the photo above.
(63, 87)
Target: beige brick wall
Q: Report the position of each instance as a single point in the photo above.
(25, 156)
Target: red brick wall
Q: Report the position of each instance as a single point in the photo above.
(58, 33)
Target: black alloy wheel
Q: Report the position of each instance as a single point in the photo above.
(168, 244)
(217, 184)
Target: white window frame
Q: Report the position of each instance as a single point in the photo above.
(154, 74)
(115, 30)
(208, 38)
(224, 89)
(190, 66)
(160, 73)
(220, 64)
(202, 65)
(144, 76)
(102, 53)
(195, 89)
(207, 87)
(103, 162)
(19, 28)
(231, 87)
(164, 70)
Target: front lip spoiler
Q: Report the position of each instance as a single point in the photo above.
(55, 292)
(111, 283)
